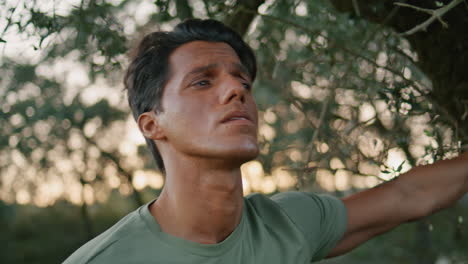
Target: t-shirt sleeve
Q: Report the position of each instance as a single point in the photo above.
(322, 219)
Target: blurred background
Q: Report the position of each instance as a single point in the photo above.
(351, 94)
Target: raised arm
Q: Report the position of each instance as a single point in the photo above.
(415, 194)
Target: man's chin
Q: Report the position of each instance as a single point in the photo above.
(238, 160)
(248, 156)
(248, 149)
(233, 151)
(241, 154)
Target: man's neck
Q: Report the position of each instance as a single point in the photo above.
(199, 204)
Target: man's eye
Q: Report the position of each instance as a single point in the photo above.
(247, 86)
(202, 83)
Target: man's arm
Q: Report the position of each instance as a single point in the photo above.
(415, 194)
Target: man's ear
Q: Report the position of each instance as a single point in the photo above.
(149, 126)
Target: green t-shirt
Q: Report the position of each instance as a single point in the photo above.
(290, 227)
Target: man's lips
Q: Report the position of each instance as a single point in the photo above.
(238, 116)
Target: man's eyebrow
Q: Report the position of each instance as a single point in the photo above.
(198, 70)
(202, 69)
(236, 66)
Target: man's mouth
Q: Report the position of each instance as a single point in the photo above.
(238, 117)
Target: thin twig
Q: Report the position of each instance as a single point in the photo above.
(323, 111)
(314, 168)
(109, 156)
(356, 8)
(400, 52)
(7, 26)
(435, 14)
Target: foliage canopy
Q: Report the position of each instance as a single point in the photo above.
(344, 103)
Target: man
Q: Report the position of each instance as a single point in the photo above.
(190, 92)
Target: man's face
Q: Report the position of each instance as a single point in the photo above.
(208, 107)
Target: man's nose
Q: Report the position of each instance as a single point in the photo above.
(232, 89)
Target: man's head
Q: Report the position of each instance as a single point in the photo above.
(182, 84)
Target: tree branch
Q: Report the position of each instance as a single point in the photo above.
(356, 8)
(435, 14)
(244, 13)
(414, 84)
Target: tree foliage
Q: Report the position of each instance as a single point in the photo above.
(346, 102)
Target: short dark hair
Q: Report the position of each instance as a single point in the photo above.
(148, 71)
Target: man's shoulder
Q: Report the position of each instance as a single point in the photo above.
(320, 219)
(304, 209)
(268, 207)
(129, 226)
(260, 201)
(275, 201)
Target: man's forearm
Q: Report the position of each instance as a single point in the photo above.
(433, 187)
(415, 194)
